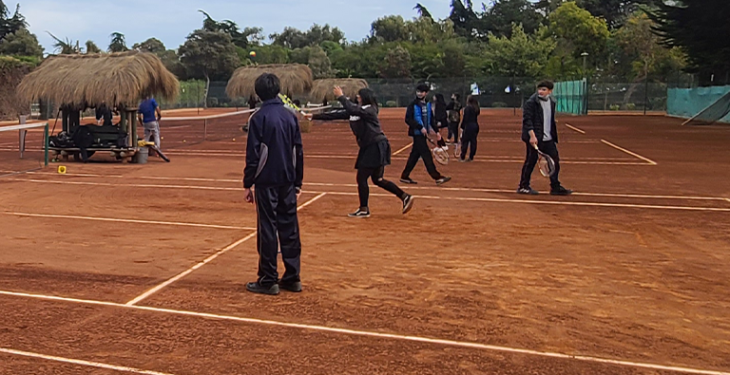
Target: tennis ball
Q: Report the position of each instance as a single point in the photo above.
(252, 53)
(62, 169)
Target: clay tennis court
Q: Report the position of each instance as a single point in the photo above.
(115, 268)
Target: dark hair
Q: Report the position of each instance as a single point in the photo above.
(367, 97)
(473, 102)
(267, 86)
(457, 97)
(422, 87)
(297, 103)
(440, 99)
(546, 84)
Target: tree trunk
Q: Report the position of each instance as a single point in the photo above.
(207, 88)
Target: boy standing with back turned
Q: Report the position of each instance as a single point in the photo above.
(275, 166)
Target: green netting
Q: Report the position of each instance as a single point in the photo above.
(702, 105)
(571, 97)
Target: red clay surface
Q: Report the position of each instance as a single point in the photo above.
(633, 267)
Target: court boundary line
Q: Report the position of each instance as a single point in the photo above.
(475, 199)
(403, 149)
(479, 190)
(79, 362)
(651, 162)
(205, 261)
(135, 221)
(574, 128)
(381, 335)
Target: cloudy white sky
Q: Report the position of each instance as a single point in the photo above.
(172, 20)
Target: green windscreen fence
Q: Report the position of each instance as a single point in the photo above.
(704, 105)
(571, 97)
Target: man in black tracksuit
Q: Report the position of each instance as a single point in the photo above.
(420, 120)
(275, 166)
(539, 128)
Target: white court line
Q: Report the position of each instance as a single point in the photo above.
(207, 260)
(171, 223)
(403, 149)
(574, 128)
(392, 336)
(612, 195)
(79, 362)
(498, 200)
(652, 162)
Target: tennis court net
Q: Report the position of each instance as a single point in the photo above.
(23, 148)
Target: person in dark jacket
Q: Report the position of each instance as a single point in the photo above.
(104, 115)
(539, 129)
(374, 152)
(453, 112)
(439, 110)
(470, 125)
(420, 120)
(275, 166)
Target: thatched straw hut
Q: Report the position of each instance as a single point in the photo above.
(118, 79)
(322, 88)
(295, 79)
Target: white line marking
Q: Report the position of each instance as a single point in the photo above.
(613, 195)
(354, 332)
(207, 260)
(128, 221)
(79, 362)
(574, 128)
(652, 162)
(403, 149)
(595, 204)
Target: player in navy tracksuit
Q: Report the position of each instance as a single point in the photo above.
(420, 120)
(275, 166)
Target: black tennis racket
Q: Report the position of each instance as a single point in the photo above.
(545, 163)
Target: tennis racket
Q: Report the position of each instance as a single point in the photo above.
(440, 151)
(545, 163)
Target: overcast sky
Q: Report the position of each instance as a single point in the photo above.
(172, 20)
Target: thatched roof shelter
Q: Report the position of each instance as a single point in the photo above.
(322, 88)
(117, 79)
(295, 79)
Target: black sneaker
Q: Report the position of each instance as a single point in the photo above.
(527, 191)
(443, 180)
(295, 287)
(408, 181)
(360, 213)
(560, 191)
(255, 287)
(407, 204)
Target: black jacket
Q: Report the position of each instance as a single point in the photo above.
(470, 117)
(274, 155)
(532, 119)
(364, 123)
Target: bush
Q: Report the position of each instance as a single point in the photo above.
(615, 107)
(212, 102)
(239, 102)
(499, 105)
(630, 106)
(391, 104)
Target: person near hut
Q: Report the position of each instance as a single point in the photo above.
(275, 167)
(440, 115)
(150, 115)
(252, 101)
(104, 115)
(453, 111)
(420, 121)
(470, 126)
(374, 154)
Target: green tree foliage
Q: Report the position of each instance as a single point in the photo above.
(396, 64)
(577, 31)
(292, 38)
(521, 55)
(65, 47)
(700, 28)
(209, 55)
(615, 12)
(319, 63)
(91, 47)
(10, 24)
(152, 45)
(118, 42)
(21, 43)
(499, 18)
(640, 47)
(249, 37)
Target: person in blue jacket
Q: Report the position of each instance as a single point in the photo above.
(275, 166)
(420, 120)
